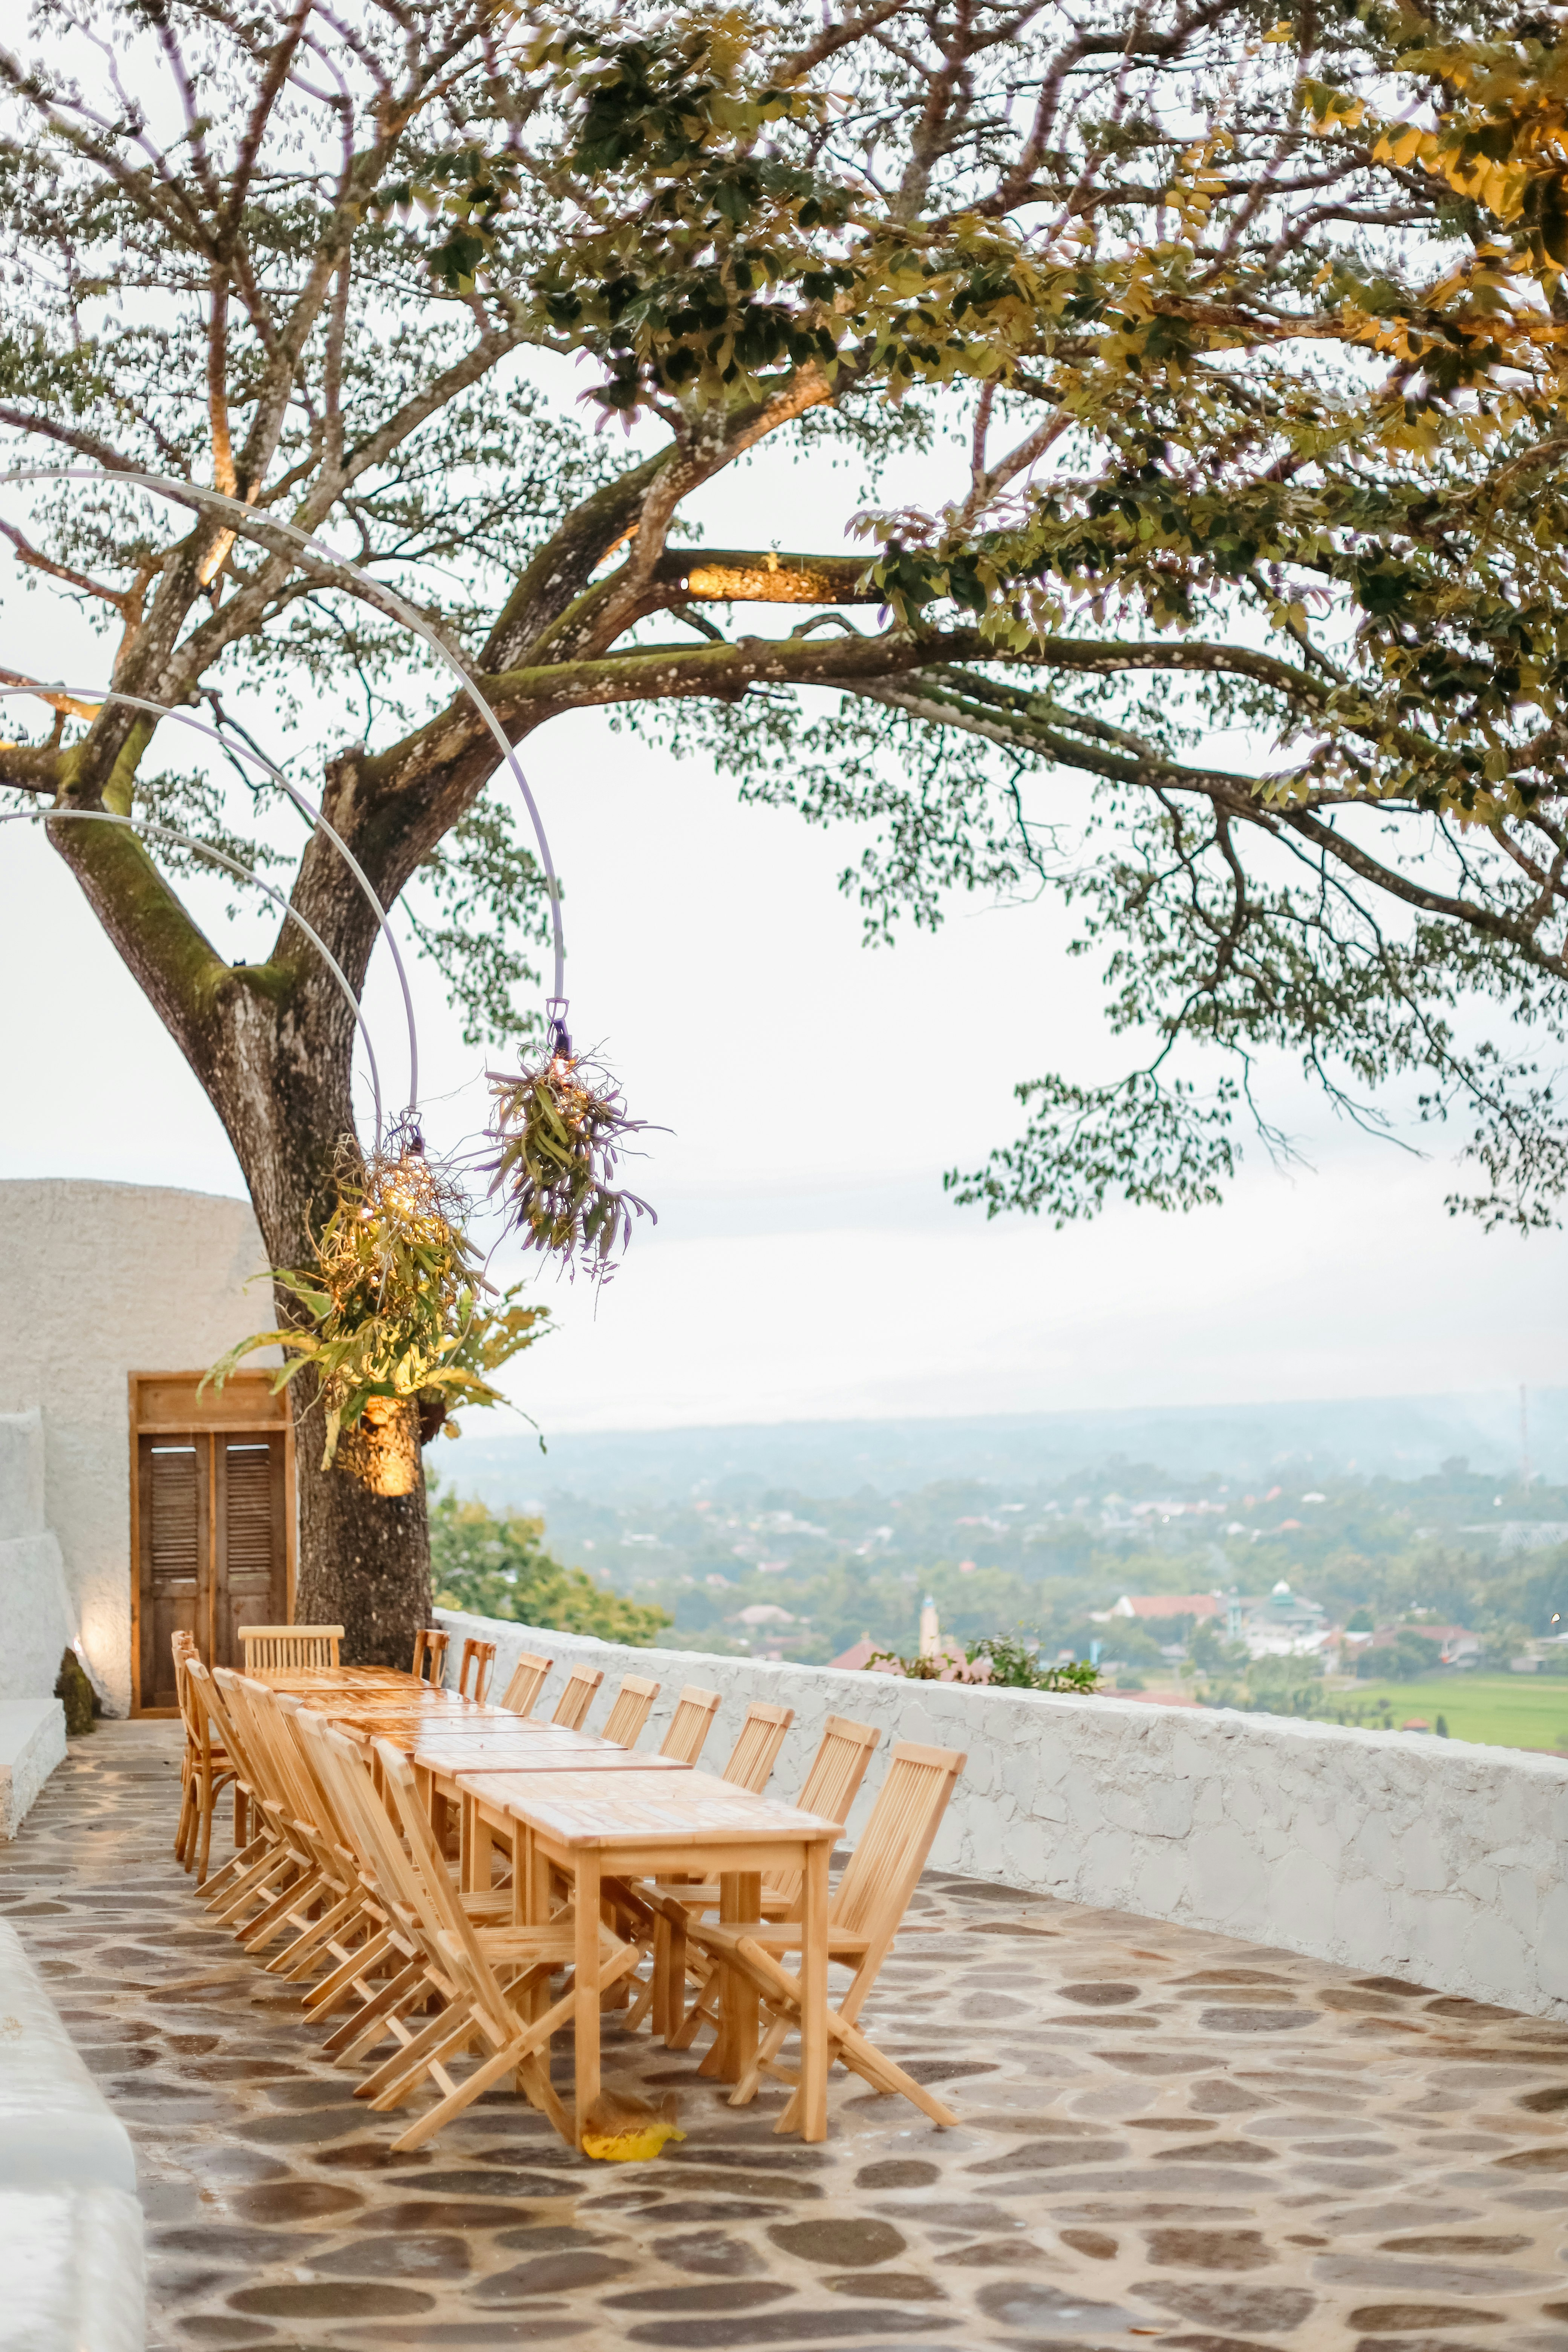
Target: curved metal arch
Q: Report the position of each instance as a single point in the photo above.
(246, 521)
(219, 858)
(256, 759)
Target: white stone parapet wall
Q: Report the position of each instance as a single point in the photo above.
(1384, 1852)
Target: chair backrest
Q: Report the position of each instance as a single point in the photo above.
(278, 1649)
(838, 1767)
(831, 1787)
(690, 1724)
(528, 1679)
(274, 1751)
(578, 1696)
(215, 1694)
(755, 1752)
(440, 1909)
(629, 1711)
(336, 1837)
(202, 1732)
(430, 1644)
(343, 1768)
(479, 1660)
(874, 1892)
(184, 1646)
(261, 1772)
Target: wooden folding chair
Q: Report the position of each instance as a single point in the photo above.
(482, 2010)
(690, 1724)
(330, 1913)
(863, 1918)
(755, 1752)
(398, 1950)
(278, 1862)
(354, 1937)
(291, 1802)
(341, 1766)
(430, 1652)
(281, 1649)
(528, 1679)
(183, 1645)
(205, 1769)
(629, 1711)
(478, 1662)
(578, 1696)
(258, 1844)
(831, 1788)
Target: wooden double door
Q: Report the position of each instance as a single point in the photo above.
(212, 1512)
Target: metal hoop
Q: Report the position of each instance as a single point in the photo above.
(245, 521)
(246, 752)
(219, 858)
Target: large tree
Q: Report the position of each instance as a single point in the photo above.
(1239, 337)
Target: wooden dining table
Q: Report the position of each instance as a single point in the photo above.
(631, 1823)
(442, 1757)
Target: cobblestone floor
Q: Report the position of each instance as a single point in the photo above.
(1166, 2136)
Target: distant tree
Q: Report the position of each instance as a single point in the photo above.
(1506, 1640)
(1532, 1593)
(1242, 334)
(1409, 1656)
(1210, 1652)
(495, 1565)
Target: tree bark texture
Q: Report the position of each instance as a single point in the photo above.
(364, 1556)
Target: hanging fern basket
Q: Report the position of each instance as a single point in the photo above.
(396, 1317)
(559, 1128)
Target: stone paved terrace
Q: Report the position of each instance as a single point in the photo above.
(1167, 2137)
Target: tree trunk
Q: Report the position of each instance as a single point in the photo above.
(282, 1088)
(364, 1556)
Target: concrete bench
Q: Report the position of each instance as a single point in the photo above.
(70, 2225)
(72, 2266)
(32, 1742)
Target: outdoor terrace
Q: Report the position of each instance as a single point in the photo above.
(1167, 2136)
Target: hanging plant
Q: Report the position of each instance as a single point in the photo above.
(396, 1316)
(558, 1127)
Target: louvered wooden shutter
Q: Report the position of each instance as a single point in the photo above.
(252, 1576)
(172, 1486)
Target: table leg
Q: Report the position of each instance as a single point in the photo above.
(735, 2041)
(813, 2092)
(475, 1849)
(523, 1912)
(585, 1986)
(529, 1911)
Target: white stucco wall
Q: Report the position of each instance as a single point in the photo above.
(1393, 1854)
(97, 1281)
(35, 1607)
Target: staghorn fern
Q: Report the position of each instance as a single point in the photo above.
(559, 1128)
(394, 1305)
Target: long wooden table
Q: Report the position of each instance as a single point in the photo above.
(594, 1811)
(631, 1824)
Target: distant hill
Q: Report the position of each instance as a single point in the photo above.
(1399, 1437)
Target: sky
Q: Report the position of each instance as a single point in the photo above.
(805, 1263)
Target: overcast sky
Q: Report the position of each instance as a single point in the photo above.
(807, 1264)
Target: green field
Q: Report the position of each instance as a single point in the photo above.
(1498, 1710)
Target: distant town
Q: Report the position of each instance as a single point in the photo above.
(1353, 1598)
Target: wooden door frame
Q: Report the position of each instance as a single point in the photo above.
(167, 1404)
